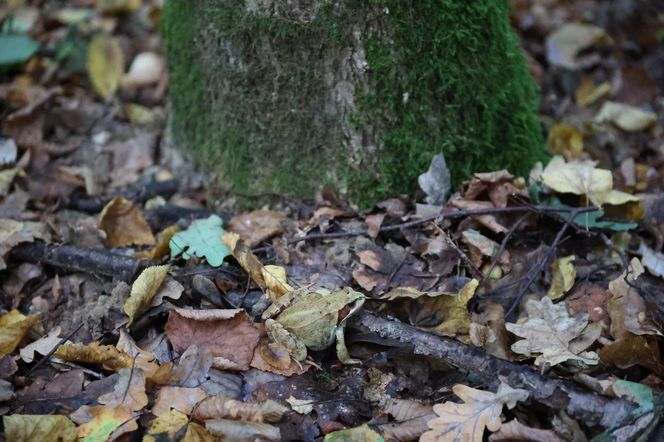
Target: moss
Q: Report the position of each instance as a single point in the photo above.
(250, 90)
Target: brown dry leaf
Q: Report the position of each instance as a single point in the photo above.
(183, 399)
(564, 45)
(171, 425)
(43, 428)
(563, 275)
(582, 178)
(143, 360)
(161, 248)
(216, 407)
(410, 417)
(226, 335)
(124, 225)
(591, 299)
(374, 222)
(481, 247)
(107, 423)
(13, 233)
(626, 117)
(105, 64)
(516, 431)
(257, 226)
(131, 157)
(41, 346)
(627, 308)
(13, 327)
(272, 279)
(565, 140)
(226, 429)
(488, 331)
(634, 350)
(553, 335)
(143, 291)
(107, 355)
(170, 288)
(489, 221)
(129, 391)
(479, 410)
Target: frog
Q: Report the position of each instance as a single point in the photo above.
(314, 320)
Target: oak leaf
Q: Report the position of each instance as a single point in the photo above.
(202, 239)
(553, 335)
(467, 421)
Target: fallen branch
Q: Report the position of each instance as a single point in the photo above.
(590, 408)
(96, 262)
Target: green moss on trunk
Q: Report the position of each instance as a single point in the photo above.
(358, 94)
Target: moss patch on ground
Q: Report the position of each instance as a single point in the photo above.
(251, 88)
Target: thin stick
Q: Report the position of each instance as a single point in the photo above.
(53, 350)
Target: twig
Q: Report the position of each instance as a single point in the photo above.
(48, 355)
(535, 271)
(587, 407)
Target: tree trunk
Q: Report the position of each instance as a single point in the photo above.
(287, 95)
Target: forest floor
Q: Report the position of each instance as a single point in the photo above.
(131, 307)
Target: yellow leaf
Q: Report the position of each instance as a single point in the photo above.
(166, 427)
(13, 326)
(143, 360)
(161, 249)
(43, 428)
(362, 433)
(563, 275)
(105, 64)
(107, 421)
(467, 421)
(124, 225)
(565, 140)
(144, 290)
(107, 355)
(457, 318)
(587, 93)
(117, 6)
(276, 281)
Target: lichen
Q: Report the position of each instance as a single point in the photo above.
(253, 89)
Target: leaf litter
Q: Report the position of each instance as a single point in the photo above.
(560, 271)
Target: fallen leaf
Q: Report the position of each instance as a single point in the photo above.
(550, 332)
(124, 225)
(363, 433)
(374, 222)
(143, 291)
(143, 360)
(94, 353)
(627, 309)
(588, 93)
(488, 331)
(183, 399)
(42, 346)
(216, 407)
(455, 311)
(435, 182)
(13, 233)
(582, 178)
(410, 419)
(8, 151)
(117, 6)
(43, 428)
(516, 431)
(481, 248)
(565, 140)
(226, 429)
(257, 226)
(489, 221)
(202, 239)
(131, 157)
(105, 64)
(16, 48)
(166, 427)
(301, 406)
(479, 410)
(106, 422)
(591, 299)
(564, 44)
(626, 117)
(632, 391)
(227, 334)
(13, 327)
(272, 279)
(563, 275)
(161, 248)
(652, 260)
(129, 391)
(146, 69)
(634, 350)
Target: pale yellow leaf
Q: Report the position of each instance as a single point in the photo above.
(626, 117)
(276, 281)
(105, 64)
(106, 355)
(227, 429)
(183, 399)
(549, 332)
(467, 421)
(129, 391)
(563, 275)
(166, 426)
(143, 290)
